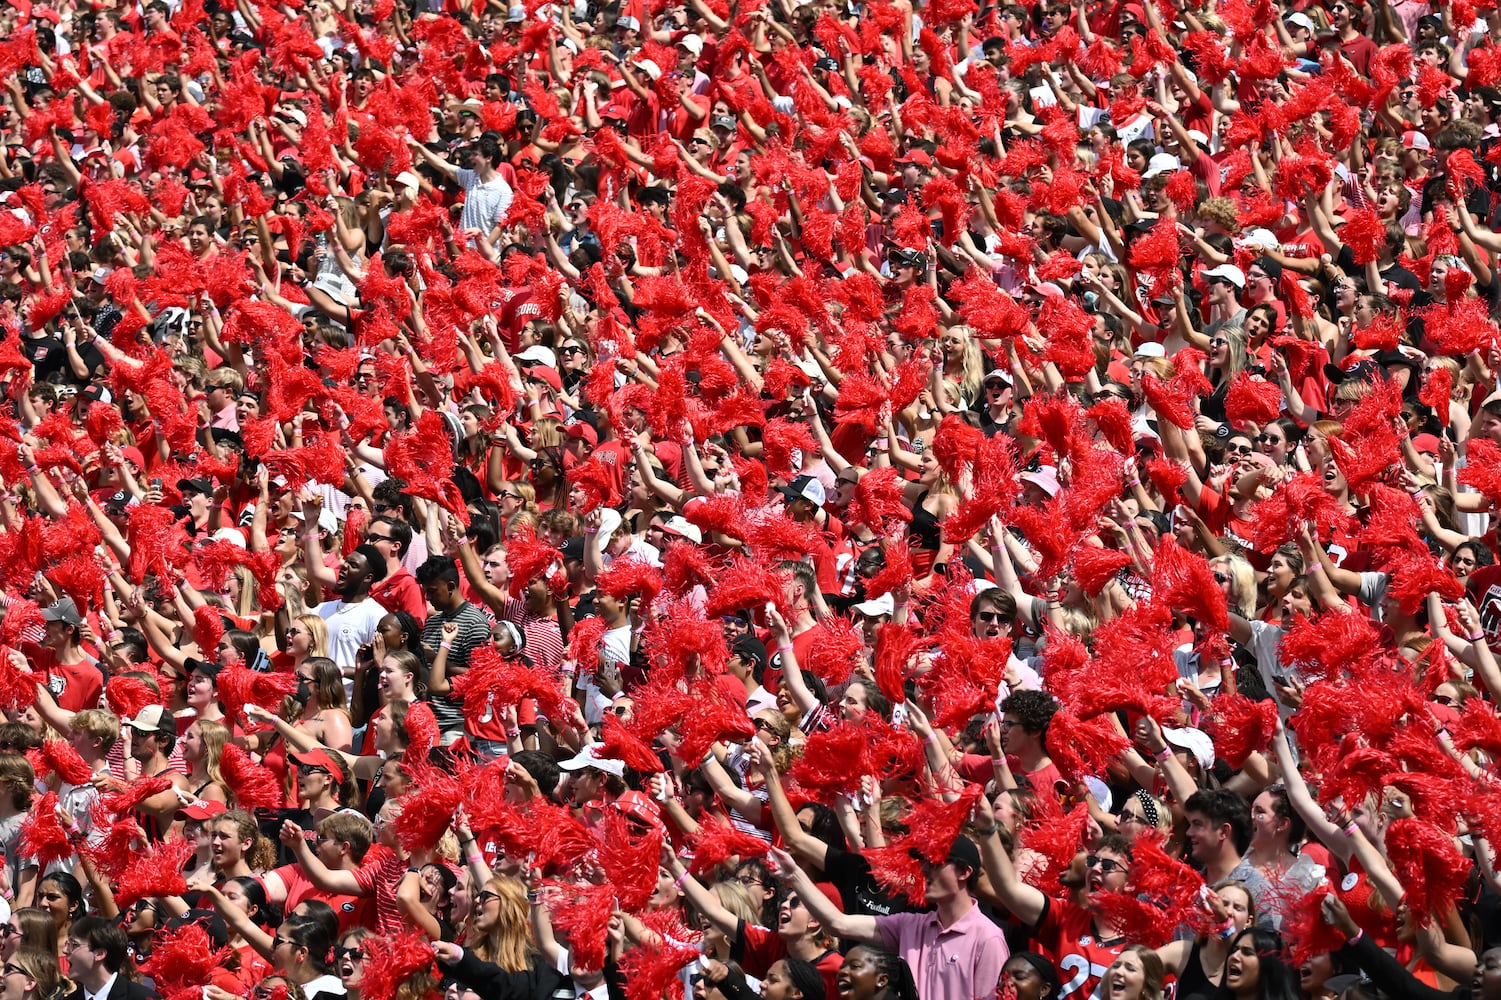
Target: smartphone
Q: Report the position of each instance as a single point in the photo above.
(156, 482)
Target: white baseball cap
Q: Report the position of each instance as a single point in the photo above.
(1161, 163)
(1230, 273)
(589, 757)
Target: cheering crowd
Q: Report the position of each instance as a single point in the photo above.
(877, 501)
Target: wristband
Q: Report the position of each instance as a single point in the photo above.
(475, 859)
(1165, 753)
(1351, 829)
(513, 732)
(1359, 933)
(785, 647)
(998, 763)
(311, 536)
(930, 738)
(988, 831)
(678, 882)
(445, 645)
(1317, 567)
(413, 871)
(1476, 637)
(1226, 930)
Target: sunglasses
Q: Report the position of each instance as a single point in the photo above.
(353, 954)
(1105, 865)
(312, 769)
(1442, 699)
(1243, 449)
(486, 894)
(991, 617)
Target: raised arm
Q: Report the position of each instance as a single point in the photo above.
(834, 920)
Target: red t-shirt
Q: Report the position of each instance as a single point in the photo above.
(401, 592)
(353, 911)
(759, 948)
(76, 686)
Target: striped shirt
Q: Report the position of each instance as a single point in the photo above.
(474, 631)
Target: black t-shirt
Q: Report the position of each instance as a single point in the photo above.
(862, 895)
(46, 355)
(1394, 274)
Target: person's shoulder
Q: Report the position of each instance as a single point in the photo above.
(130, 990)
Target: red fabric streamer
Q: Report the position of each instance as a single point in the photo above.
(393, 961)
(718, 841)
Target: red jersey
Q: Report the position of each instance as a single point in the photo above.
(1066, 934)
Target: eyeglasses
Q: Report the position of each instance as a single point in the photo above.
(353, 954)
(748, 880)
(1105, 865)
(6, 931)
(991, 617)
(1240, 449)
(378, 538)
(1007, 723)
(14, 970)
(1131, 817)
(276, 942)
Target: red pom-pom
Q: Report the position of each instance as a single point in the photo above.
(718, 841)
(840, 647)
(714, 718)
(183, 958)
(1252, 400)
(1160, 894)
(1184, 581)
(239, 686)
(1240, 727)
(128, 695)
(878, 500)
(1095, 566)
(391, 962)
(651, 968)
(428, 809)
(529, 559)
(157, 871)
(622, 744)
(43, 838)
(1432, 871)
(596, 483)
(1303, 924)
(251, 785)
(58, 757)
(1083, 749)
(581, 914)
(630, 578)
(895, 647)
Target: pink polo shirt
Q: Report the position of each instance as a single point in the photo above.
(960, 962)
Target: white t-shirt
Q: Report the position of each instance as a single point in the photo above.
(350, 626)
